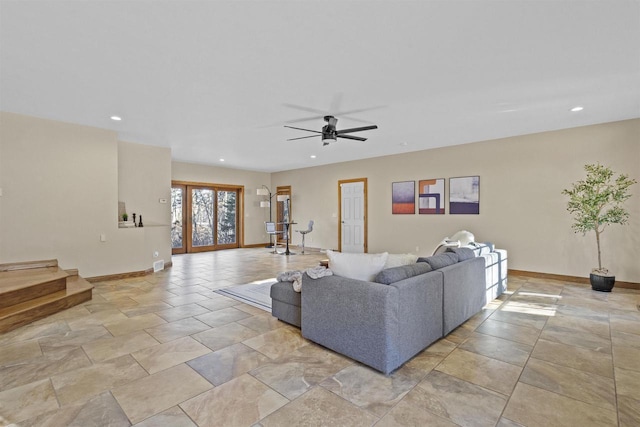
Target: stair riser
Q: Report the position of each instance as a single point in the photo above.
(19, 319)
(26, 294)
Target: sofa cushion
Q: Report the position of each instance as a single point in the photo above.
(397, 260)
(463, 253)
(356, 266)
(395, 274)
(441, 260)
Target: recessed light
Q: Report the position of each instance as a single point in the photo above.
(404, 144)
(222, 160)
(576, 109)
(313, 156)
(116, 118)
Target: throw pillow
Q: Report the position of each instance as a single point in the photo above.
(356, 266)
(441, 260)
(397, 260)
(395, 274)
(463, 253)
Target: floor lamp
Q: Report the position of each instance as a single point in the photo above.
(265, 191)
(287, 219)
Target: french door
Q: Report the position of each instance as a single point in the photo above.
(204, 217)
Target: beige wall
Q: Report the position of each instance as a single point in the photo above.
(61, 183)
(60, 193)
(144, 177)
(521, 208)
(254, 215)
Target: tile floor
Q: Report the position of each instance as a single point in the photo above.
(164, 350)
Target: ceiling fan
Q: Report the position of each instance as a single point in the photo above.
(330, 134)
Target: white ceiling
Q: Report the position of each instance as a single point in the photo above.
(219, 79)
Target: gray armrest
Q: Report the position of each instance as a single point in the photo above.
(464, 292)
(420, 314)
(356, 318)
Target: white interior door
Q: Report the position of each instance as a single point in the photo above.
(352, 216)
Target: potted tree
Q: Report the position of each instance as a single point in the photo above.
(596, 202)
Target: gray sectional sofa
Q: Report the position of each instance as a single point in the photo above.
(385, 322)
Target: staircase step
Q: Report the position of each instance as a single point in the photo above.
(26, 265)
(77, 291)
(22, 285)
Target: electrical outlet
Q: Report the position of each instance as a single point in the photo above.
(417, 248)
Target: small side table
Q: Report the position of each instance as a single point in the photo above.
(324, 263)
(286, 233)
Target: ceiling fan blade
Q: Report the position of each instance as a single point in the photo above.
(319, 113)
(357, 138)
(307, 130)
(354, 119)
(303, 137)
(306, 119)
(334, 110)
(341, 131)
(359, 110)
(307, 109)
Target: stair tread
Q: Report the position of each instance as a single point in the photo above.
(27, 265)
(75, 285)
(11, 281)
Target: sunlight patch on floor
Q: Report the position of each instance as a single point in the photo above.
(534, 294)
(260, 282)
(530, 308)
(493, 305)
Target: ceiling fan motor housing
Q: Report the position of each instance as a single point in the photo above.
(329, 134)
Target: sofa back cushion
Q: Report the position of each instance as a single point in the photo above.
(395, 274)
(441, 260)
(463, 253)
(356, 266)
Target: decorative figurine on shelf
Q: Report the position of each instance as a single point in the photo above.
(140, 223)
(134, 220)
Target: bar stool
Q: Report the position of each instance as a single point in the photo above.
(305, 232)
(271, 229)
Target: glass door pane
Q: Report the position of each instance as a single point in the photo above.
(205, 217)
(202, 217)
(177, 219)
(227, 217)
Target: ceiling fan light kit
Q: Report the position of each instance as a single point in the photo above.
(330, 134)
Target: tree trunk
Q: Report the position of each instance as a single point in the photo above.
(598, 241)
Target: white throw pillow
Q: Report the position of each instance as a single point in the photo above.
(398, 260)
(357, 266)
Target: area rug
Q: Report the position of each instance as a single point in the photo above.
(254, 293)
